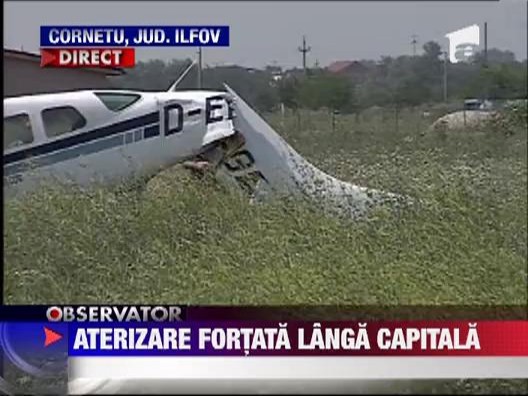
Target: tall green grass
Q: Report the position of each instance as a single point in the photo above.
(183, 240)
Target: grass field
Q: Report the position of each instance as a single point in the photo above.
(197, 242)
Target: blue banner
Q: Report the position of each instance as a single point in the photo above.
(33, 346)
(134, 36)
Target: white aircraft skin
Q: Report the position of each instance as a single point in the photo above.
(160, 130)
(112, 146)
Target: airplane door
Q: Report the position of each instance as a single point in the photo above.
(182, 127)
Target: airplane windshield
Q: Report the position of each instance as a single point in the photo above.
(117, 101)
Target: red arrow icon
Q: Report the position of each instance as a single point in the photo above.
(47, 57)
(51, 337)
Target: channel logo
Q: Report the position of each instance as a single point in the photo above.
(463, 43)
(114, 313)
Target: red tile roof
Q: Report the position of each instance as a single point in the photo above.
(342, 66)
(339, 66)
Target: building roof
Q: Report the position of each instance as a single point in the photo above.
(32, 57)
(342, 66)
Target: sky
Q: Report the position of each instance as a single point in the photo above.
(269, 33)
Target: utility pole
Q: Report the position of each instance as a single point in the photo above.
(414, 42)
(304, 50)
(445, 76)
(199, 67)
(485, 44)
(485, 65)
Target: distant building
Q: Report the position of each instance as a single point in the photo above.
(275, 71)
(346, 67)
(24, 76)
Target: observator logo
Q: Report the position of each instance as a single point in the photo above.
(114, 313)
(54, 314)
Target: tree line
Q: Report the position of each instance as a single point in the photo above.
(390, 82)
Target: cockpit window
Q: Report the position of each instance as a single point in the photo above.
(17, 131)
(117, 101)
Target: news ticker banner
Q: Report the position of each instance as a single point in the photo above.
(113, 46)
(152, 341)
(260, 338)
(242, 350)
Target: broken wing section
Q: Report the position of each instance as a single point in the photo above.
(282, 170)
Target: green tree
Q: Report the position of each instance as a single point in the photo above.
(498, 82)
(495, 56)
(289, 92)
(432, 50)
(326, 91)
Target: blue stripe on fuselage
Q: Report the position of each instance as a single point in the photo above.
(151, 131)
(81, 138)
(95, 146)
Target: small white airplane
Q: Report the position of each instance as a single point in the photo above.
(107, 136)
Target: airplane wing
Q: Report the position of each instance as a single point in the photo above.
(270, 165)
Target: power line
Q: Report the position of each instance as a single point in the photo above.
(304, 50)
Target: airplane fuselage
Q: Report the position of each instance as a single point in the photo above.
(106, 135)
(109, 136)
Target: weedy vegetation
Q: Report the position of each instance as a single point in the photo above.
(179, 239)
